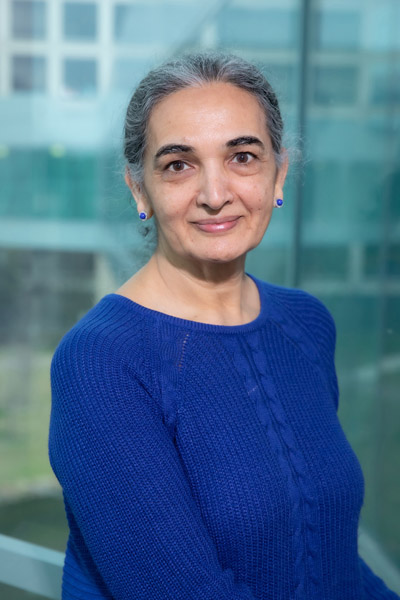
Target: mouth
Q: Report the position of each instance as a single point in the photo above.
(217, 225)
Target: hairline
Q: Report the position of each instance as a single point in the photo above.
(140, 179)
(198, 79)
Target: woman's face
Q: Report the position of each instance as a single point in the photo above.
(210, 177)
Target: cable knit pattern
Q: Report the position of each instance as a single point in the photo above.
(206, 462)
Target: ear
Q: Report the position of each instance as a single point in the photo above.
(138, 194)
(281, 175)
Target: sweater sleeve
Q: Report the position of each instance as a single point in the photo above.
(125, 484)
(374, 587)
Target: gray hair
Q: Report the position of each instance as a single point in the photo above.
(193, 70)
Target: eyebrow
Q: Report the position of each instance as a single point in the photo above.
(172, 149)
(176, 148)
(244, 141)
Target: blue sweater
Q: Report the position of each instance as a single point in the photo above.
(206, 462)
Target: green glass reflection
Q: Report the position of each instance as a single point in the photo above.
(350, 234)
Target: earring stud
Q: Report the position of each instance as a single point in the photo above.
(278, 202)
(143, 216)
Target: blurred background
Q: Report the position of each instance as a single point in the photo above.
(68, 231)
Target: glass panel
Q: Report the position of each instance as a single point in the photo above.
(127, 72)
(335, 85)
(28, 73)
(80, 76)
(385, 85)
(252, 27)
(11, 593)
(381, 21)
(337, 30)
(57, 184)
(373, 261)
(351, 229)
(283, 79)
(80, 21)
(140, 23)
(28, 19)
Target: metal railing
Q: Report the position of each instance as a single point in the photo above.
(39, 570)
(30, 567)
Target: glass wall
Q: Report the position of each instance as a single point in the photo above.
(68, 231)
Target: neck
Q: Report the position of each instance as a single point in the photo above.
(221, 294)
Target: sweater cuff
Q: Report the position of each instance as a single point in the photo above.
(374, 587)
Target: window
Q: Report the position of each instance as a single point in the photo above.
(337, 30)
(149, 23)
(28, 19)
(80, 21)
(63, 187)
(28, 73)
(324, 262)
(374, 265)
(127, 72)
(335, 85)
(381, 32)
(385, 85)
(256, 28)
(80, 76)
(284, 81)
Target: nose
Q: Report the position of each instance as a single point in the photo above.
(215, 190)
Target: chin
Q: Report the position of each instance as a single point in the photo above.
(227, 254)
(220, 257)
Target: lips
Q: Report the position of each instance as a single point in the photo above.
(217, 225)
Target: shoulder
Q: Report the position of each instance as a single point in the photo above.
(102, 391)
(308, 321)
(302, 309)
(102, 379)
(302, 304)
(105, 340)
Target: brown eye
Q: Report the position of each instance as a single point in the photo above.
(177, 165)
(244, 157)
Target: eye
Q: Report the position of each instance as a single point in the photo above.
(177, 166)
(244, 158)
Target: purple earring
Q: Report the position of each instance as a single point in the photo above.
(278, 202)
(143, 216)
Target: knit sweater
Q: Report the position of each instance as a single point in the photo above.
(206, 462)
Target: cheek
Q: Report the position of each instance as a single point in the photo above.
(261, 202)
(262, 212)
(175, 205)
(170, 213)
(259, 195)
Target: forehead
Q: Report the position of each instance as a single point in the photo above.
(204, 113)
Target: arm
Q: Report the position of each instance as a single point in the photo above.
(125, 485)
(374, 588)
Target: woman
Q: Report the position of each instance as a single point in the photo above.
(194, 427)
